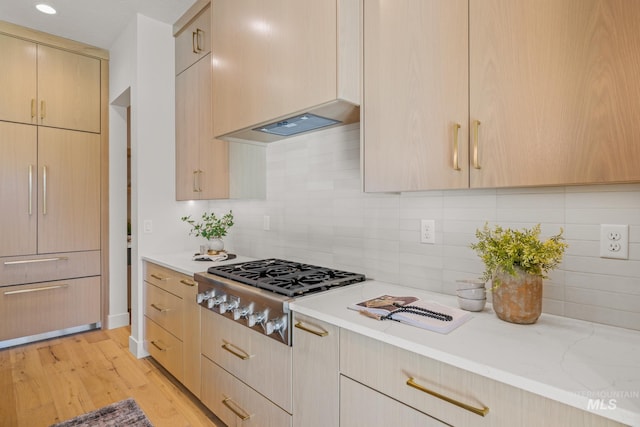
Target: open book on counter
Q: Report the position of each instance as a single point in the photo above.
(413, 311)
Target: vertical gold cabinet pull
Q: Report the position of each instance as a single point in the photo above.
(233, 407)
(476, 142)
(320, 333)
(478, 411)
(195, 178)
(194, 36)
(30, 190)
(456, 148)
(33, 108)
(44, 190)
(200, 180)
(198, 37)
(43, 111)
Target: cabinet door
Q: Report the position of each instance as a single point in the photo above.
(415, 95)
(194, 41)
(18, 180)
(191, 335)
(68, 90)
(316, 366)
(271, 59)
(69, 190)
(554, 85)
(17, 80)
(361, 406)
(202, 170)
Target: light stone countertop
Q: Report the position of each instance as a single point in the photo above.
(183, 262)
(563, 359)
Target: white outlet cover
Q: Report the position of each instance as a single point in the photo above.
(428, 231)
(614, 241)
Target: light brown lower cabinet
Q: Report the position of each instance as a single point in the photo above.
(411, 379)
(172, 323)
(37, 308)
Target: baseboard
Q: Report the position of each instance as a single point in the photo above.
(137, 348)
(117, 320)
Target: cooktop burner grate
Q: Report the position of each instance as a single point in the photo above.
(286, 277)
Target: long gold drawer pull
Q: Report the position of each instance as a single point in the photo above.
(30, 261)
(235, 408)
(44, 190)
(320, 333)
(236, 351)
(187, 282)
(476, 142)
(456, 149)
(160, 309)
(155, 276)
(159, 346)
(45, 288)
(30, 190)
(479, 411)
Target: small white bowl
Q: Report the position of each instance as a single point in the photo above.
(472, 304)
(470, 283)
(473, 293)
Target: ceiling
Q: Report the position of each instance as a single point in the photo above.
(95, 22)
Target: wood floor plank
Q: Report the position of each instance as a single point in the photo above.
(51, 381)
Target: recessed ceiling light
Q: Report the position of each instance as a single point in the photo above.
(45, 8)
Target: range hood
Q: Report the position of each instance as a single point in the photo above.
(284, 69)
(330, 114)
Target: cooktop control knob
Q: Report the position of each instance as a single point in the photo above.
(256, 318)
(204, 296)
(276, 325)
(241, 312)
(233, 303)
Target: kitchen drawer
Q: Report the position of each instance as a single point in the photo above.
(163, 347)
(48, 267)
(27, 310)
(232, 400)
(254, 358)
(167, 279)
(165, 309)
(364, 407)
(193, 42)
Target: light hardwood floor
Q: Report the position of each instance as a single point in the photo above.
(50, 381)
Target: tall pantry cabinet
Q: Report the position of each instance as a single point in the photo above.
(53, 185)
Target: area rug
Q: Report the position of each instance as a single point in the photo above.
(124, 413)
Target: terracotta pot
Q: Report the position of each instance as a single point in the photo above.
(517, 299)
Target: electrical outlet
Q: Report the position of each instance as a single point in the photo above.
(428, 231)
(614, 241)
(147, 226)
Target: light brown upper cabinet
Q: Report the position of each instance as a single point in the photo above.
(281, 57)
(193, 42)
(202, 163)
(415, 99)
(552, 84)
(62, 90)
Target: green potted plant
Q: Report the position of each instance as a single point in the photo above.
(517, 261)
(212, 228)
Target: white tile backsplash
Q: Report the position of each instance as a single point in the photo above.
(319, 214)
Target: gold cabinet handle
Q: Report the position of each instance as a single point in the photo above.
(45, 288)
(235, 408)
(33, 108)
(236, 351)
(320, 333)
(476, 142)
(187, 282)
(30, 190)
(195, 178)
(478, 411)
(44, 190)
(193, 42)
(43, 110)
(456, 148)
(159, 346)
(30, 261)
(155, 276)
(200, 180)
(198, 32)
(160, 309)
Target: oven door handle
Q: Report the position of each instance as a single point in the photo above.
(236, 351)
